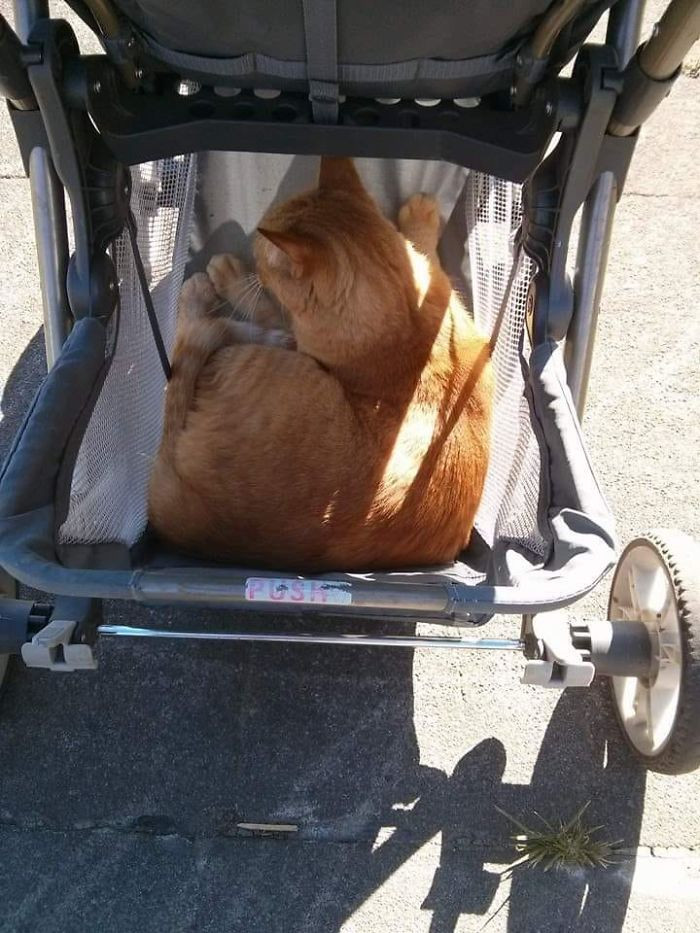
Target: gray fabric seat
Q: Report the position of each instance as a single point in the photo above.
(447, 48)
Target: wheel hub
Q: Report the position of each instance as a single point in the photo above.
(643, 591)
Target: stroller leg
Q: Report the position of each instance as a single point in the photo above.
(48, 207)
(593, 243)
(26, 13)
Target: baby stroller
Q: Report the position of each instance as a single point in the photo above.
(171, 144)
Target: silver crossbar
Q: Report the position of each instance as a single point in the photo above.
(395, 641)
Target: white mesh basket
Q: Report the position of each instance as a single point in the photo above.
(108, 498)
(510, 502)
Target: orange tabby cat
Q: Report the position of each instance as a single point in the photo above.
(365, 447)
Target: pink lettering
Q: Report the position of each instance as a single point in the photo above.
(278, 591)
(297, 591)
(319, 593)
(254, 587)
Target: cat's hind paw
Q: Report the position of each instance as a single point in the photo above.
(421, 210)
(419, 221)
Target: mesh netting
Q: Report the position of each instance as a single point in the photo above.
(509, 506)
(108, 497)
(108, 501)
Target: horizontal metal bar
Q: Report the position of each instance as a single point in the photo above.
(218, 587)
(392, 641)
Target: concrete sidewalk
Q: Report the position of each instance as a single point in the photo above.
(121, 792)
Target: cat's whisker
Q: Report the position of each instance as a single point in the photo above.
(246, 280)
(246, 293)
(250, 302)
(251, 314)
(248, 290)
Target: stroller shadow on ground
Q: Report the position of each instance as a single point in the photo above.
(169, 747)
(20, 389)
(575, 764)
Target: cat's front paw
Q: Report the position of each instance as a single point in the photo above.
(197, 298)
(226, 273)
(420, 213)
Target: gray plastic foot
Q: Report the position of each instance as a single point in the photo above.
(51, 649)
(560, 664)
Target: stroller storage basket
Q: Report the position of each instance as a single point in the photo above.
(73, 496)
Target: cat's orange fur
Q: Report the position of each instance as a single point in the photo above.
(367, 446)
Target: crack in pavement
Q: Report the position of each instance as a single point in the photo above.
(656, 194)
(151, 828)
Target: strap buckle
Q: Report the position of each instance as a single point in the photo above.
(325, 100)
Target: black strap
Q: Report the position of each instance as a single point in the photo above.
(148, 301)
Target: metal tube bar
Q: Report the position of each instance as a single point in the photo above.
(51, 234)
(26, 13)
(674, 34)
(591, 260)
(552, 24)
(49, 210)
(215, 587)
(649, 76)
(393, 641)
(105, 17)
(625, 28)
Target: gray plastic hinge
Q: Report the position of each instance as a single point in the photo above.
(561, 664)
(51, 649)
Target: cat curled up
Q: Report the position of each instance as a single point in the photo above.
(358, 441)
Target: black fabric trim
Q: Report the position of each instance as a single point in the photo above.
(64, 479)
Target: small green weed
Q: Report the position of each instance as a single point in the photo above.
(567, 843)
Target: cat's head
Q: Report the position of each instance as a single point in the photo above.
(337, 265)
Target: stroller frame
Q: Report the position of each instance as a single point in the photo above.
(79, 125)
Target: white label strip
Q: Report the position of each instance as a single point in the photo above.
(300, 592)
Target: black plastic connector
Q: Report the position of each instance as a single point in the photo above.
(98, 184)
(555, 192)
(19, 620)
(14, 83)
(30, 132)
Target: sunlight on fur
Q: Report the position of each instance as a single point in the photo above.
(330, 411)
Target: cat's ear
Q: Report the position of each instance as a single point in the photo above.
(294, 248)
(339, 174)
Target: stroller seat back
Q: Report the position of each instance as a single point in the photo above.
(413, 49)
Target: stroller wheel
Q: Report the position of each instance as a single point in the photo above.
(8, 587)
(657, 581)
